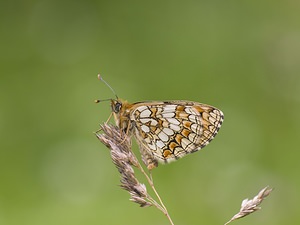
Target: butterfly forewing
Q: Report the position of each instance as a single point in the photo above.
(170, 130)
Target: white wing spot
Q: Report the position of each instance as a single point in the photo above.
(212, 120)
(179, 152)
(168, 131)
(160, 144)
(153, 122)
(195, 128)
(192, 118)
(168, 115)
(184, 143)
(170, 108)
(192, 137)
(190, 110)
(145, 113)
(175, 127)
(145, 120)
(173, 121)
(163, 136)
(141, 108)
(145, 128)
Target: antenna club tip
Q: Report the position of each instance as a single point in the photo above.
(99, 76)
(97, 101)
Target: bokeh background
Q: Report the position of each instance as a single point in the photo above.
(240, 56)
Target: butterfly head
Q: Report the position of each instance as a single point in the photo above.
(116, 105)
(120, 108)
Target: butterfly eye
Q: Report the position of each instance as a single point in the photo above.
(117, 107)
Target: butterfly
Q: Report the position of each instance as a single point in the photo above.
(167, 130)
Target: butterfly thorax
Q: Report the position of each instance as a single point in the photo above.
(121, 113)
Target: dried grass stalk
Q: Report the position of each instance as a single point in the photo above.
(252, 205)
(124, 160)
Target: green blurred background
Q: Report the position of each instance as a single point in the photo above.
(240, 56)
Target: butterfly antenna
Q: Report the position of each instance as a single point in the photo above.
(102, 100)
(101, 79)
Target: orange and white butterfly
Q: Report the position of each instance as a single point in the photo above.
(167, 130)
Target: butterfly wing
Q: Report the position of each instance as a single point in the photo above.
(173, 129)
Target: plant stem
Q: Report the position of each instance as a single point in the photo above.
(150, 181)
